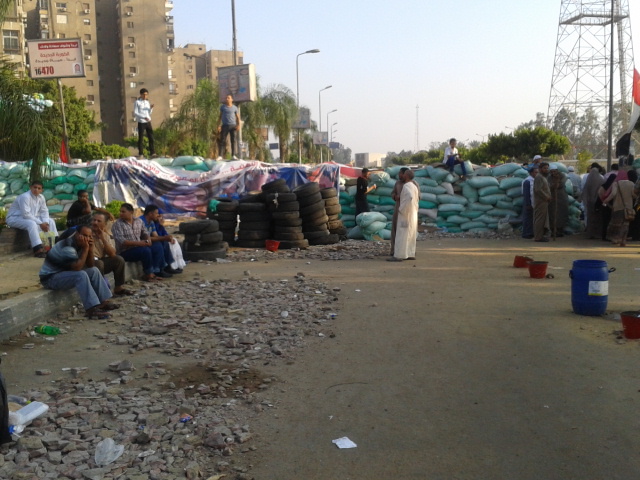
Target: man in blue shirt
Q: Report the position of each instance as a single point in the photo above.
(228, 124)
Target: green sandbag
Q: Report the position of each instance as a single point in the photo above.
(421, 173)
(459, 199)
(429, 197)
(367, 218)
(89, 188)
(505, 169)
(502, 213)
(48, 194)
(521, 173)
(383, 208)
(3, 189)
(344, 202)
(426, 181)
(349, 223)
(53, 201)
(375, 199)
(64, 188)
(56, 174)
(488, 219)
(387, 201)
(510, 182)
(490, 190)
(479, 230)
(78, 187)
(393, 170)
(471, 214)
(56, 209)
(384, 191)
(454, 230)
(438, 174)
(352, 190)
(474, 224)
(574, 211)
(390, 184)
(379, 179)
(75, 180)
(16, 186)
(504, 204)
(65, 196)
(442, 223)
(492, 199)
(385, 234)
(348, 217)
(59, 180)
(457, 219)
(561, 166)
(436, 190)
(77, 172)
(203, 167)
(482, 172)
(347, 210)
(469, 192)
(48, 185)
(345, 196)
(426, 204)
(90, 178)
(374, 227)
(480, 207)
(163, 161)
(479, 182)
(186, 160)
(568, 187)
(467, 165)
(518, 201)
(9, 199)
(514, 192)
(450, 207)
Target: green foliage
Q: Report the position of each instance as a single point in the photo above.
(280, 111)
(3, 215)
(115, 151)
(113, 207)
(524, 143)
(584, 159)
(97, 151)
(194, 147)
(61, 222)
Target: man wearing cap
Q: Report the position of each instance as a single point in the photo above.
(576, 181)
(541, 199)
(528, 203)
(536, 161)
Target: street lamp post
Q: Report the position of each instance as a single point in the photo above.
(330, 139)
(481, 136)
(334, 110)
(315, 50)
(332, 131)
(320, 113)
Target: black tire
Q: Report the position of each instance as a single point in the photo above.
(331, 201)
(279, 185)
(315, 221)
(253, 197)
(341, 231)
(287, 244)
(225, 216)
(253, 234)
(250, 243)
(312, 236)
(310, 200)
(191, 238)
(255, 217)
(328, 240)
(255, 225)
(333, 218)
(329, 192)
(278, 230)
(229, 237)
(227, 207)
(211, 255)
(332, 224)
(333, 210)
(199, 226)
(313, 210)
(292, 222)
(280, 197)
(206, 238)
(288, 236)
(285, 216)
(228, 226)
(285, 207)
(251, 207)
(315, 228)
(205, 247)
(307, 189)
(312, 217)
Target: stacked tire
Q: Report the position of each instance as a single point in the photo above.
(255, 223)
(226, 215)
(202, 240)
(333, 210)
(314, 216)
(285, 215)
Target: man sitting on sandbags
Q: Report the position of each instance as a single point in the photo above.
(29, 212)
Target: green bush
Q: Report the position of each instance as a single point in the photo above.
(3, 215)
(97, 151)
(116, 151)
(113, 207)
(61, 223)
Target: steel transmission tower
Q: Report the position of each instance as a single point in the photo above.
(580, 86)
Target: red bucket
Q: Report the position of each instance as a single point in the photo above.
(271, 245)
(631, 324)
(520, 261)
(537, 269)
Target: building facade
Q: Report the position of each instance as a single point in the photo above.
(369, 159)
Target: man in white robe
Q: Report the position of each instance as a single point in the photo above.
(407, 228)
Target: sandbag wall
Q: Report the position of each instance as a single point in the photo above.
(488, 198)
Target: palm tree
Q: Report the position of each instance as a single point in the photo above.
(280, 111)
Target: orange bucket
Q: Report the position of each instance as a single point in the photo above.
(271, 245)
(520, 261)
(631, 324)
(537, 269)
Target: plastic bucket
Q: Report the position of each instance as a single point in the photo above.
(590, 287)
(271, 245)
(631, 324)
(537, 269)
(520, 261)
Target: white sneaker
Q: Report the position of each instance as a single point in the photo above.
(219, 159)
(235, 158)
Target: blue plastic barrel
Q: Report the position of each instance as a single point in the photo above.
(590, 287)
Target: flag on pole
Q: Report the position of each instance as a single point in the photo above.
(63, 152)
(635, 109)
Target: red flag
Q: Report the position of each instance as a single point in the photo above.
(636, 87)
(63, 153)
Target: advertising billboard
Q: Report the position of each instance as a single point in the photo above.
(239, 81)
(303, 122)
(60, 58)
(320, 138)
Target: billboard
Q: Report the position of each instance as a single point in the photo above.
(60, 58)
(238, 81)
(303, 121)
(320, 138)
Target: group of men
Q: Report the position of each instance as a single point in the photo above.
(86, 251)
(228, 124)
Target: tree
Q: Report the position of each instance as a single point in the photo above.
(280, 111)
(523, 144)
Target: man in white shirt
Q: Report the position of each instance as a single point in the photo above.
(142, 113)
(451, 157)
(29, 212)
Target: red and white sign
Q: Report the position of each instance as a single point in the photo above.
(61, 58)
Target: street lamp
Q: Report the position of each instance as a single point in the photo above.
(481, 136)
(334, 110)
(315, 50)
(331, 137)
(320, 113)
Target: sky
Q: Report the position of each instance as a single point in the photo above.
(403, 73)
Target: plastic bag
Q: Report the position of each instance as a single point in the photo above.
(107, 452)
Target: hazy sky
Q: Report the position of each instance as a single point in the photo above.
(472, 66)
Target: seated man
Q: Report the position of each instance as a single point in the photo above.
(451, 157)
(104, 251)
(176, 251)
(150, 219)
(29, 212)
(80, 211)
(70, 264)
(134, 245)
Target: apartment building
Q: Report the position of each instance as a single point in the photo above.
(13, 36)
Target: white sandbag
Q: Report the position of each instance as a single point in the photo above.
(428, 212)
(186, 160)
(77, 172)
(448, 187)
(352, 190)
